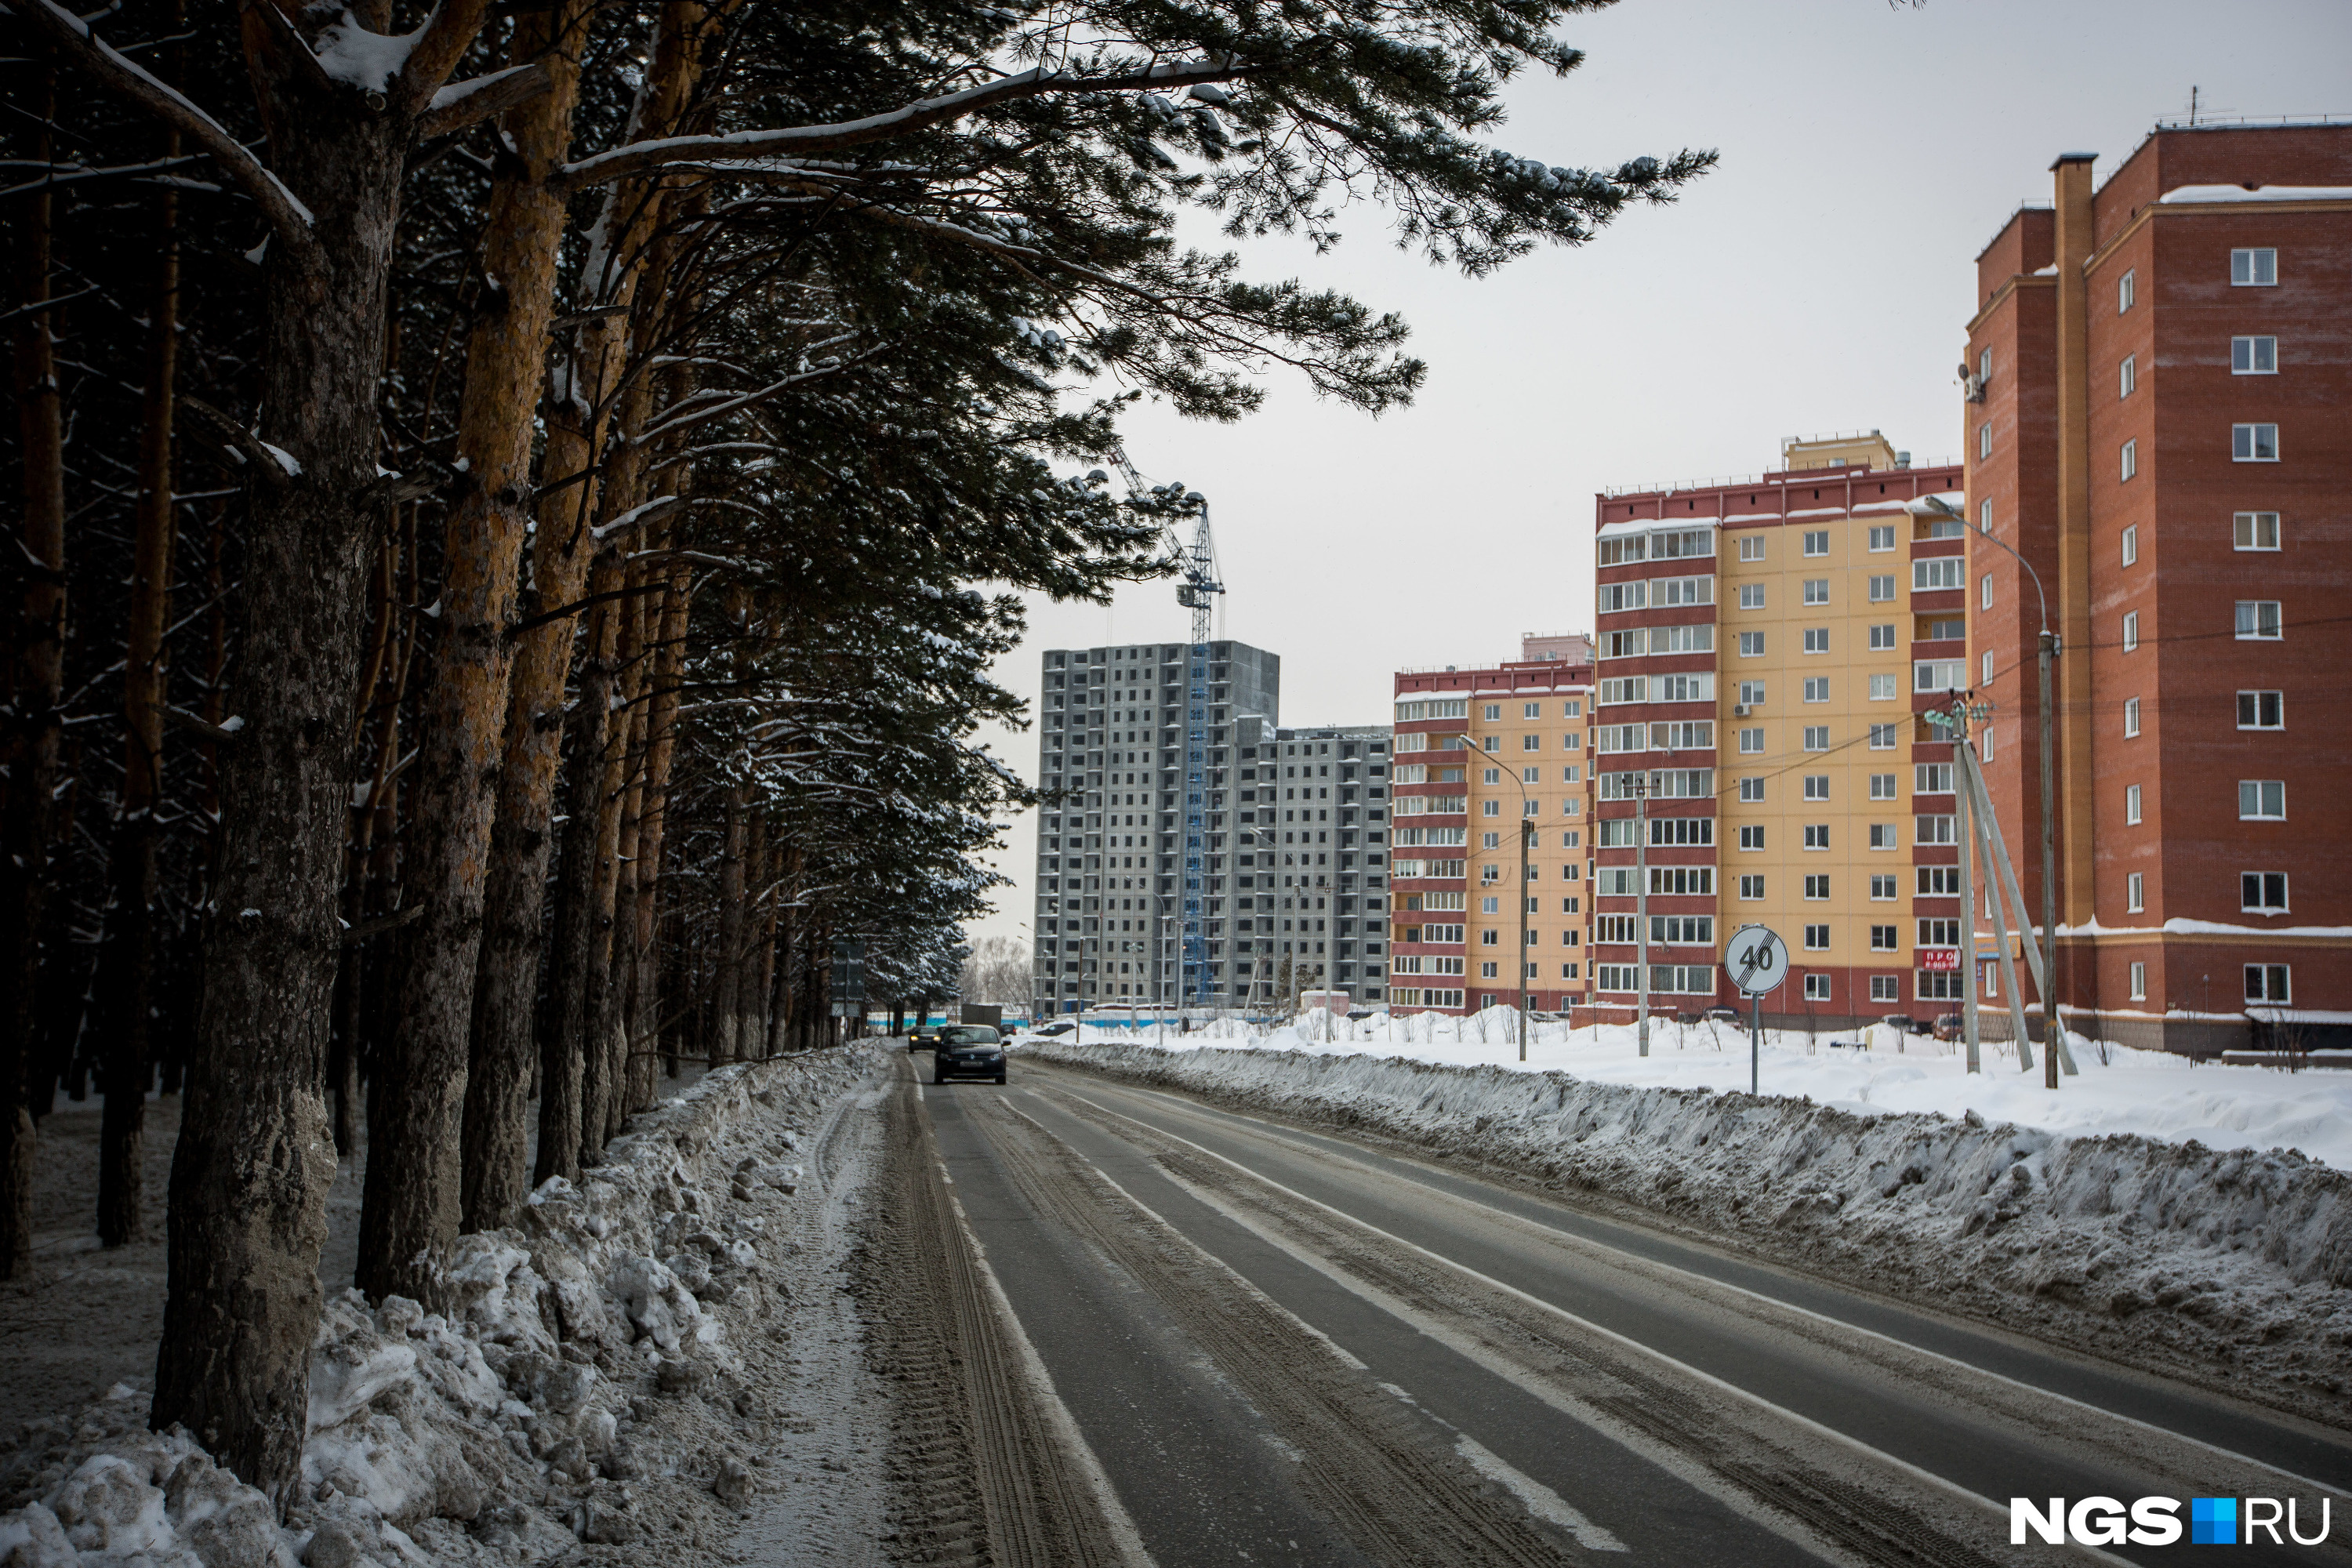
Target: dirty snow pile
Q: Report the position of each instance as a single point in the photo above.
(2171, 1254)
(1870, 1072)
(510, 1428)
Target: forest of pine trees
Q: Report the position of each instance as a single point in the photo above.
(515, 510)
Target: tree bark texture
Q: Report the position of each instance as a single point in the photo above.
(37, 671)
(413, 1200)
(727, 990)
(255, 1157)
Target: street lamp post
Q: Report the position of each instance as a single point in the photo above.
(2046, 652)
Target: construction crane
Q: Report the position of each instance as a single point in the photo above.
(1196, 563)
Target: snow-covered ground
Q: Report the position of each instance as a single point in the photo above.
(2158, 1096)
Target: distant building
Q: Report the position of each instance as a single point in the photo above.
(1109, 892)
(1765, 648)
(2156, 420)
(1309, 872)
(1486, 755)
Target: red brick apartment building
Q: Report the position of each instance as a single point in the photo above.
(1486, 755)
(2159, 420)
(1765, 646)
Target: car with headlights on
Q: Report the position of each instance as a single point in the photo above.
(963, 1050)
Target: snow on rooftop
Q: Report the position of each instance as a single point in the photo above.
(2259, 194)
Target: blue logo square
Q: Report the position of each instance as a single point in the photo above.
(2213, 1522)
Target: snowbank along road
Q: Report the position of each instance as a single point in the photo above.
(1261, 1342)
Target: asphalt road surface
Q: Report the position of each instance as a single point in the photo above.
(1276, 1346)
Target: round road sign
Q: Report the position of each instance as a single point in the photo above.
(1756, 959)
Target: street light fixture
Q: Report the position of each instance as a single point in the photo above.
(2047, 650)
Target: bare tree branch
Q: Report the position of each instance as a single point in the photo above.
(288, 218)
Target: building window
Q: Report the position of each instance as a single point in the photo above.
(1882, 638)
(1751, 596)
(1882, 689)
(2258, 620)
(1817, 836)
(1531, 743)
(2131, 631)
(2255, 531)
(2253, 356)
(1984, 439)
(1817, 739)
(1881, 736)
(2253, 269)
(2130, 461)
(1751, 547)
(1494, 709)
(2263, 892)
(1751, 836)
(1817, 688)
(1816, 939)
(2131, 804)
(1490, 807)
(1817, 886)
(1936, 985)
(1817, 639)
(1817, 785)
(2134, 893)
(1939, 933)
(1988, 668)
(1751, 694)
(1984, 592)
(2131, 716)
(2127, 286)
(1751, 645)
(1817, 542)
(2253, 443)
(2261, 800)
(1883, 939)
(1887, 988)
(2131, 545)
(1882, 536)
(1984, 516)
(1817, 590)
(2138, 981)
(1882, 886)
(1490, 938)
(2268, 982)
(1487, 970)
(1883, 836)
(1928, 576)
(1939, 674)
(1928, 828)
(1751, 790)
(1882, 786)
(2128, 375)
(2261, 709)
(1881, 588)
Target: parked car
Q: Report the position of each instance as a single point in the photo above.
(1724, 1016)
(1906, 1023)
(1948, 1027)
(965, 1050)
(1060, 1026)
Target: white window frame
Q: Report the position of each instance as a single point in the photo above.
(1751, 645)
(1817, 639)
(1925, 574)
(2258, 696)
(2131, 631)
(2255, 443)
(2138, 980)
(1751, 547)
(2254, 355)
(2274, 988)
(2131, 718)
(2128, 460)
(2254, 266)
(2260, 620)
(1882, 587)
(2248, 529)
(1984, 439)
(1885, 688)
(2126, 290)
(1751, 596)
(1882, 537)
(2131, 805)
(2134, 893)
(1817, 542)
(2262, 795)
(2260, 879)
(1817, 684)
(1817, 591)
(2128, 376)
(1882, 637)
(2131, 545)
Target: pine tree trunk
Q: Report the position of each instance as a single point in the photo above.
(414, 1193)
(616, 885)
(727, 993)
(669, 666)
(256, 1154)
(123, 1142)
(569, 1101)
(32, 733)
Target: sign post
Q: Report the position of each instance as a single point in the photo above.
(1757, 961)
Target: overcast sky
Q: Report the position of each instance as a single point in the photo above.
(1818, 279)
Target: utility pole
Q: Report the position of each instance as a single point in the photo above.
(1968, 922)
(1527, 834)
(2052, 1030)
(1641, 910)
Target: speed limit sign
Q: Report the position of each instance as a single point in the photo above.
(1757, 960)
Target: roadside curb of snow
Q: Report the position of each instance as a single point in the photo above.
(510, 1430)
(2228, 1267)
